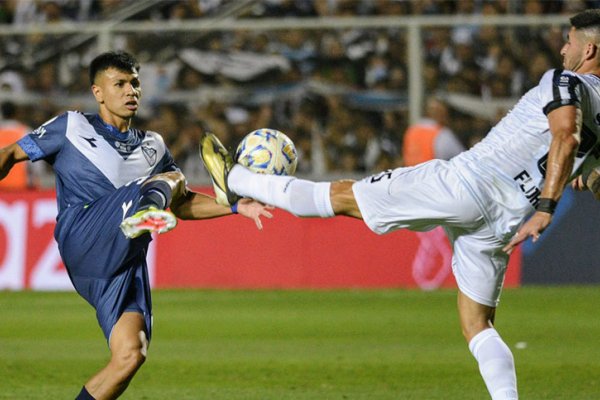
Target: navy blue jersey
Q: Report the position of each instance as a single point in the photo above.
(92, 159)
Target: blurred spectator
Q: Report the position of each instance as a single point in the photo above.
(184, 149)
(431, 137)
(539, 64)
(11, 81)
(507, 79)
(22, 175)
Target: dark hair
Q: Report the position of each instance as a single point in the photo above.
(586, 19)
(9, 110)
(120, 60)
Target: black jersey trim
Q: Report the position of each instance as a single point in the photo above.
(559, 80)
(553, 105)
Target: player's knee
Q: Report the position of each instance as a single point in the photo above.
(472, 326)
(130, 360)
(474, 316)
(131, 355)
(176, 182)
(175, 179)
(342, 199)
(469, 331)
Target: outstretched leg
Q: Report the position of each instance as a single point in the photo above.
(300, 197)
(495, 359)
(128, 346)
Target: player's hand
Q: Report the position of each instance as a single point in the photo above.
(532, 228)
(578, 184)
(254, 210)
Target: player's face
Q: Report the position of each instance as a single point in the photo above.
(573, 51)
(118, 93)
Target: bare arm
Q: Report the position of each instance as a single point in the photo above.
(193, 205)
(9, 156)
(565, 126)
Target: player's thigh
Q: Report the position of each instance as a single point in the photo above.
(417, 198)
(479, 264)
(129, 335)
(126, 291)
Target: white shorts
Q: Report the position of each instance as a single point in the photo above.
(432, 194)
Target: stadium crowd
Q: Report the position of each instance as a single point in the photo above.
(340, 94)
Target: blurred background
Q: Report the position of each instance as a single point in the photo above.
(360, 86)
(344, 79)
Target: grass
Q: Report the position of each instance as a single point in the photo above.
(392, 344)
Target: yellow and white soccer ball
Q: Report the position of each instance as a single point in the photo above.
(267, 151)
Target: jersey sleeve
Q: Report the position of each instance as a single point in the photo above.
(168, 163)
(47, 140)
(559, 88)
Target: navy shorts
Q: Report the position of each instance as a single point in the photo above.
(106, 268)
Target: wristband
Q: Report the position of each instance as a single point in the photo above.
(234, 208)
(546, 205)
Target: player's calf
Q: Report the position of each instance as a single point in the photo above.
(159, 190)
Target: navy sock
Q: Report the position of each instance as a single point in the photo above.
(155, 194)
(84, 395)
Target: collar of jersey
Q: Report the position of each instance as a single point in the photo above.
(113, 130)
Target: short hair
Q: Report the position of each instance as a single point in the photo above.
(586, 19)
(120, 60)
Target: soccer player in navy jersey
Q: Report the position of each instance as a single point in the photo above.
(114, 184)
(482, 198)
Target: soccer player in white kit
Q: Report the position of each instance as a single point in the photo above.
(481, 198)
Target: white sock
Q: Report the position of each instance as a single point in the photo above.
(300, 197)
(496, 364)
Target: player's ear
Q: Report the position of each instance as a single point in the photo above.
(97, 91)
(592, 51)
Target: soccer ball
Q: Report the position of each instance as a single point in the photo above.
(267, 151)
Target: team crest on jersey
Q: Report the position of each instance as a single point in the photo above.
(149, 154)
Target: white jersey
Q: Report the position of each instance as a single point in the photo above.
(508, 167)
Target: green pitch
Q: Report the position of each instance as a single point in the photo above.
(305, 345)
